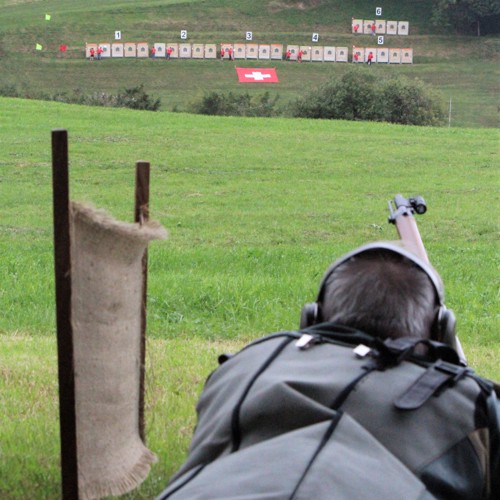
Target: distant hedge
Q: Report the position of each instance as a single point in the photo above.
(133, 98)
(230, 104)
(360, 95)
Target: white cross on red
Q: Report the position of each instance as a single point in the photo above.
(258, 75)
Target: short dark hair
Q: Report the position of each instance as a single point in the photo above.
(382, 293)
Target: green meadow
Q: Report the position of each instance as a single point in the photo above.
(256, 209)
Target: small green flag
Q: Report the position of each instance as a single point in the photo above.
(47, 17)
(38, 47)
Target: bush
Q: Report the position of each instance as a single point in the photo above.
(359, 95)
(134, 98)
(9, 91)
(352, 97)
(410, 102)
(214, 103)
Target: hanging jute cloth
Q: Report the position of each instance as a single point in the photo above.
(107, 281)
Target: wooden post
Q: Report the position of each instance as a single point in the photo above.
(141, 215)
(62, 261)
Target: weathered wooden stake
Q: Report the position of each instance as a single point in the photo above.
(141, 215)
(62, 261)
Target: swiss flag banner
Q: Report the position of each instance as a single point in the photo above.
(257, 75)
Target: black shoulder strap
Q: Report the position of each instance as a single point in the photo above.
(437, 377)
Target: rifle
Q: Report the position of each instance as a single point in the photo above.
(402, 212)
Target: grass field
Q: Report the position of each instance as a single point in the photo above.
(256, 210)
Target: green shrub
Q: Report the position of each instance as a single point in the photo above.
(9, 91)
(359, 95)
(136, 98)
(410, 102)
(133, 98)
(352, 97)
(215, 103)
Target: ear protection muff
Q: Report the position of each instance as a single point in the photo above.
(309, 315)
(444, 329)
(444, 323)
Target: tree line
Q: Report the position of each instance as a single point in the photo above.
(480, 17)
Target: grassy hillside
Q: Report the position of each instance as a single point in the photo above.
(465, 69)
(256, 210)
(240, 195)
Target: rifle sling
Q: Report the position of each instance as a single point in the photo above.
(437, 377)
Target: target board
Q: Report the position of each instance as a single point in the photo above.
(117, 50)
(382, 55)
(391, 28)
(317, 54)
(130, 49)
(160, 49)
(175, 49)
(142, 49)
(360, 52)
(239, 51)
(380, 30)
(252, 51)
(367, 26)
(403, 28)
(264, 52)
(341, 54)
(394, 56)
(406, 56)
(329, 54)
(106, 49)
(185, 50)
(293, 49)
(210, 51)
(306, 52)
(357, 26)
(276, 51)
(373, 51)
(197, 51)
(226, 47)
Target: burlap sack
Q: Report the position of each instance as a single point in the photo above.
(106, 273)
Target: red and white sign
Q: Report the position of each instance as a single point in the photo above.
(257, 75)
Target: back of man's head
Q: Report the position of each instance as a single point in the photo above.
(382, 293)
